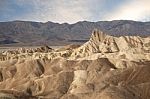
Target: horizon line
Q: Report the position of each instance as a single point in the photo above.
(72, 23)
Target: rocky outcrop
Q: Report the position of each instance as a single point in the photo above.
(105, 67)
(102, 43)
(98, 43)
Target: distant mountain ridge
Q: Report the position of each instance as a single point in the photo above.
(37, 33)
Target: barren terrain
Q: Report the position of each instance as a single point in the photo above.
(105, 67)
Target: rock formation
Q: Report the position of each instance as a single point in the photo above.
(105, 67)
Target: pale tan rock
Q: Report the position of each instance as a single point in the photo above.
(105, 67)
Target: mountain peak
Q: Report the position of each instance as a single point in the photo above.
(98, 35)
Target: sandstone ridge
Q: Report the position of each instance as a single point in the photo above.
(105, 67)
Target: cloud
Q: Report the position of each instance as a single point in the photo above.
(59, 11)
(55, 10)
(133, 10)
(72, 11)
(68, 11)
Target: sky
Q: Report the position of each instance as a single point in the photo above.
(72, 11)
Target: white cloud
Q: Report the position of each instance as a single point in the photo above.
(132, 10)
(60, 11)
(72, 11)
(57, 11)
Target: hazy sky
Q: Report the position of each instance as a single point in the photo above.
(71, 11)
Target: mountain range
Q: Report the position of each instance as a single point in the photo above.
(18, 33)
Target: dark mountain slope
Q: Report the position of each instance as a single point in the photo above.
(37, 33)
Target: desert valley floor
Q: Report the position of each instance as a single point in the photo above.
(105, 67)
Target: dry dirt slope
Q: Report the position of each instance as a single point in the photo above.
(105, 67)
